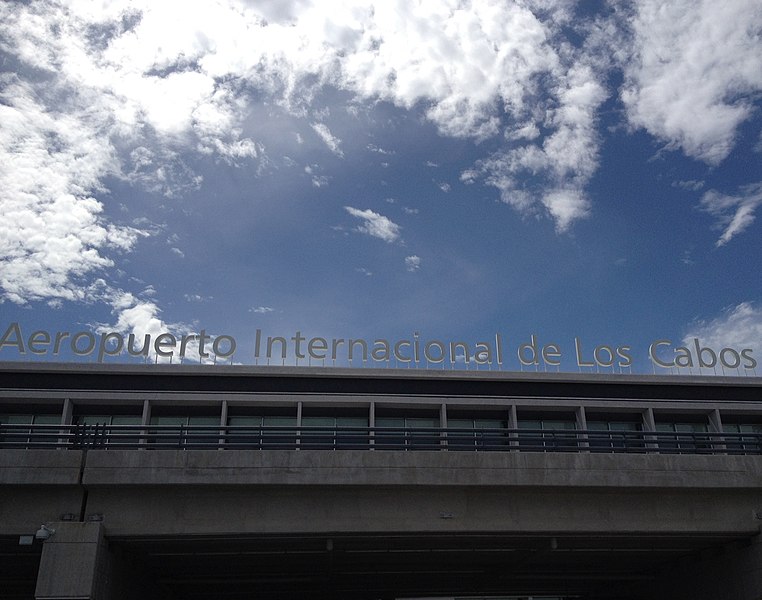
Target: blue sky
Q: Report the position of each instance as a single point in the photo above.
(361, 169)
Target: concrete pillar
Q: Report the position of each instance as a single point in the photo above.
(76, 564)
(715, 426)
(581, 419)
(299, 407)
(443, 425)
(649, 424)
(71, 564)
(513, 424)
(223, 423)
(66, 418)
(145, 421)
(372, 422)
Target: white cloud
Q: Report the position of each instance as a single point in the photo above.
(692, 185)
(444, 186)
(117, 93)
(553, 171)
(52, 232)
(261, 310)
(333, 143)
(364, 271)
(696, 69)
(114, 92)
(412, 263)
(375, 225)
(141, 317)
(737, 327)
(378, 150)
(566, 206)
(733, 213)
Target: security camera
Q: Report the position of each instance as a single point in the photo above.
(44, 533)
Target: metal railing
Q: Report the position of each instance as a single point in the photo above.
(373, 438)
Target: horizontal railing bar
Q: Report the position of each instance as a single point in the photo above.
(265, 437)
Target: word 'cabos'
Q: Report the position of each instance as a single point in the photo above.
(415, 350)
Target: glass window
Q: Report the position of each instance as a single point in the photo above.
(614, 435)
(319, 433)
(406, 433)
(736, 442)
(22, 436)
(283, 436)
(476, 434)
(244, 432)
(45, 440)
(334, 432)
(172, 430)
(209, 435)
(682, 436)
(545, 435)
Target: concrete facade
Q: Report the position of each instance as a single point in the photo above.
(348, 523)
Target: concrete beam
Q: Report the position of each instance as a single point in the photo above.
(40, 467)
(486, 469)
(226, 510)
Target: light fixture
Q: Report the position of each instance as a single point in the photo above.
(44, 532)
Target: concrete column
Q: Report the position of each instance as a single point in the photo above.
(71, 563)
(68, 409)
(299, 407)
(443, 425)
(581, 419)
(66, 417)
(372, 422)
(649, 424)
(145, 420)
(513, 423)
(715, 426)
(223, 422)
(76, 564)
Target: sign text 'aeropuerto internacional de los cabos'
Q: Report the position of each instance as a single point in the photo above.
(496, 351)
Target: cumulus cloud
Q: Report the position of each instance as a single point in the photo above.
(141, 317)
(552, 172)
(733, 213)
(52, 234)
(375, 225)
(696, 69)
(737, 327)
(412, 263)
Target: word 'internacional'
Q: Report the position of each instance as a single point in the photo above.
(662, 353)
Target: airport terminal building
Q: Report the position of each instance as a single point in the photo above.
(214, 482)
